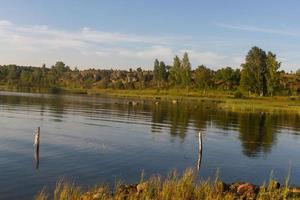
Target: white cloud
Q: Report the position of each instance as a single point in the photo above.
(212, 60)
(160, 52)
(43, 35)
(261, 29)
(34, 45)
(5, 23)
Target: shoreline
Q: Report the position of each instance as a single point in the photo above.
(220, 99)
(175, 187)
(224, 101)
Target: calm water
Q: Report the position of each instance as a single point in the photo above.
(91, 140)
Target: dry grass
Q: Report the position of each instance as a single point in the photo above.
(174, 187)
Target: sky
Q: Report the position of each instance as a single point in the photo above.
(127, 34)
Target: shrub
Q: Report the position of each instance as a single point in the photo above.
(238, 94)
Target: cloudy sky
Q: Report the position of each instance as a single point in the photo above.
(132, 33)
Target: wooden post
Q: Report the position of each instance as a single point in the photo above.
(199, 151)
(37, 137)
(36, 144)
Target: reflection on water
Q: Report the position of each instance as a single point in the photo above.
(37, 156)
(95, 139)
(37, 148)
(199, 152)
(257, 131)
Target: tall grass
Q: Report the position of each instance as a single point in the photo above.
(174, 187)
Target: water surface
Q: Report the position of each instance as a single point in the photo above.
(92, 140)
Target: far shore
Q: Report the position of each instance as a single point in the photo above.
(221, 99)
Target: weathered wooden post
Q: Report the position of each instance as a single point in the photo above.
(199, 151)
(36, 144)
(37, 137)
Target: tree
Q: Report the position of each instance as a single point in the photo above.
(253, 77)
(272, 75)
(227, 78)
(25, 78)
(141, 77)
(156, 72)
(175, 77)
(60, 68)
(12, 72)
(203, 78)
(162, 72)
(185, 70)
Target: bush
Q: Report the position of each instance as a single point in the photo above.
(118, 85)
(238, 94)
(55, 90)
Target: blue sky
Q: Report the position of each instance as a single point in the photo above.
(132, 33)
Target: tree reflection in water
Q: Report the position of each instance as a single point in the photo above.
(256, 131)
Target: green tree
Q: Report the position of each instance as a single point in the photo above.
(185, 70)
(272, 75)
(60, 68)
(175, 76)
(162, 72)
(25, 78)
(253, 77)
(12, 72)
(156, 72)
(118, 85)
(227, 78)
(203, 78)
(141, 78)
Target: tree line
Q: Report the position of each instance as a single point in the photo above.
(259, 75)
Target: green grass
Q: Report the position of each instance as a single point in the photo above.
(174, 187)
(264, 104)
(166, 93)
(226, 100)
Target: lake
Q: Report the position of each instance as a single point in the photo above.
(92, 140)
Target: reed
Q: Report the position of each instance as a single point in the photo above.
(174, 187)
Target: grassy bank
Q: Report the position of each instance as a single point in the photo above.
(221, 99)
(225, 100)
(175, 187)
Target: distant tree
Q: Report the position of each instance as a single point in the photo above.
(163, 71)
(141, 77)
(25, 78)
(175, 76)
(1, 73)
(272, 75)
(156, 75)
(227, 78)
(259, 74)
(253, 77)
(12, 72)
(160, 72)
(60, 68)
(203, 78)
(185, 71)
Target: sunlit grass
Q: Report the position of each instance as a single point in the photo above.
(225, 99)
(174, 187)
